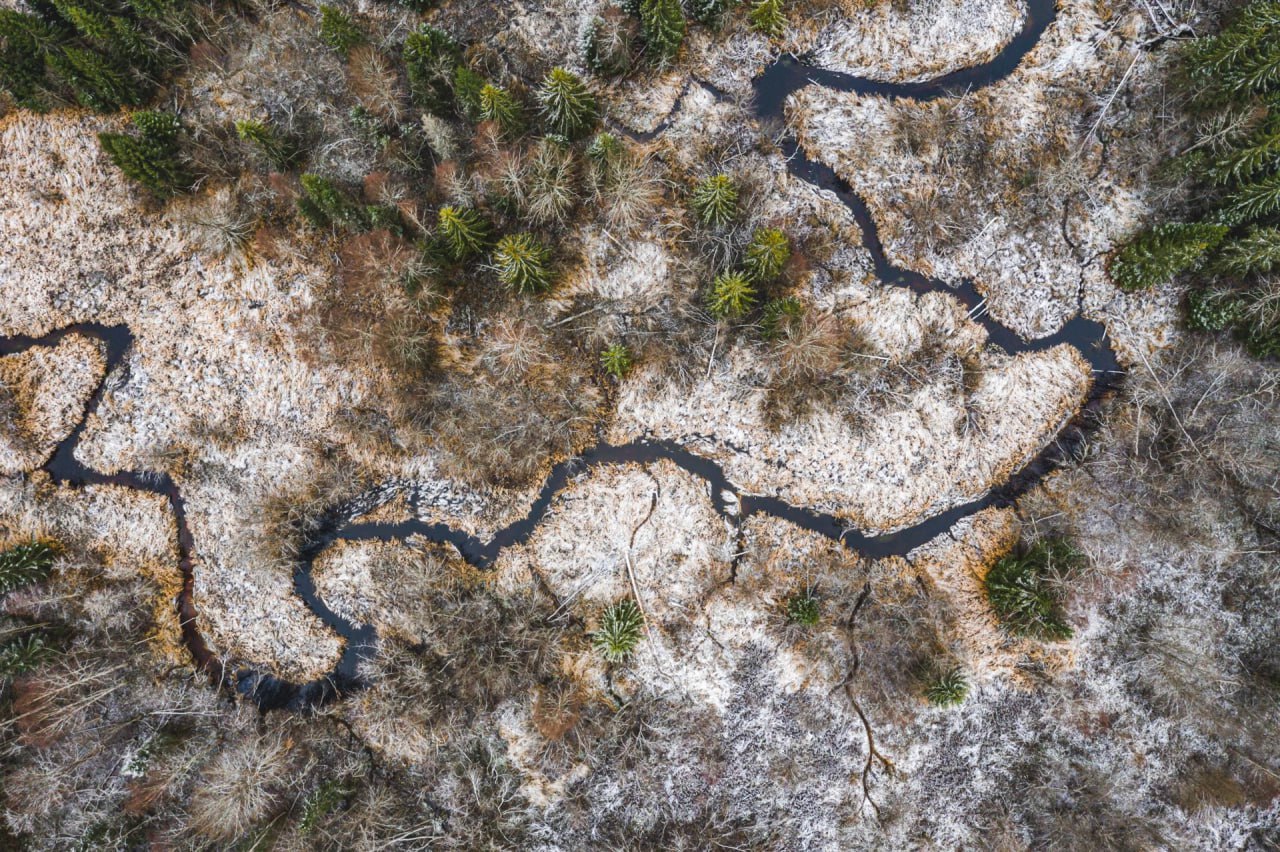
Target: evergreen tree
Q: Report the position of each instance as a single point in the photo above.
(1156, 256)
(280, 150)
(731, 295)
(467, 86)
(663, 24)
(430, 56)
(338, 31)
(568, 107)
(710, 12)
(1257, 252)
(522, 263)
(1211, 309)
(766, 17)
(715, 200)
(1254, 200)
(616, 360)
(767, 253)
(779, 316)
(98, 82)
(322, 204)
(464, 232)
(24, 41)
(151, 158)
(499, 106)
(24, 564)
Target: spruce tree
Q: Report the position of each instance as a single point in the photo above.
(766, 17)
(1254, 200)
(1156, 256)
(663, 24)
(24, 41)
(522, 263)
(568, 107)
(430, 56)
(715, 200)
(464, 232)
(153, 157)
(98, 82)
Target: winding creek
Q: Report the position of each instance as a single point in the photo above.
(772, 89)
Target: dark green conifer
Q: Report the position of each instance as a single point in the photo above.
(715, 200)
(338, 30)
(430, 56)
(153, 157)
(664, 26)
(1156, 256)
(568, 107)
(464, 232)
(322, 203)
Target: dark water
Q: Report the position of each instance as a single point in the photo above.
(772, 88)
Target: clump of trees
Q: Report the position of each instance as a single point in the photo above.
(101, 54)
(1232, 242)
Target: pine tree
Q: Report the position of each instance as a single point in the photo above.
(322, 203)
(24, 564)
(499, 106)
(663, 24)
(731, 295)
(280, 150)
(715, 200)
(338, 31)
(568, 107)
(430, 55)
(767, 254)
(522, 261)
(766, 17)
(153, 157)
(464, 232)
(779, 316)
(616, 360)
(1156, 256)
(710, 12)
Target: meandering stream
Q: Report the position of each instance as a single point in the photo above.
(778, 81)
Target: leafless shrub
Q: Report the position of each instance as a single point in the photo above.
(239, 787)
(375, 81)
